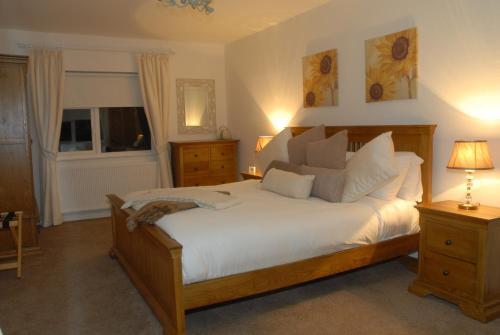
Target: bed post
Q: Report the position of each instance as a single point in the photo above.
(153, 262)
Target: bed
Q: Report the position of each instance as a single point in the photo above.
(275, 258)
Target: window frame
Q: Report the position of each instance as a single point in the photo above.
(96, 152)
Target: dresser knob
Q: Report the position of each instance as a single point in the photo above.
(195, 155)
(448, 242)
(222, 166)
(222, 154)
(446, 273)
(196, 169)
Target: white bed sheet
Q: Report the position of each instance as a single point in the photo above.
(267, 229)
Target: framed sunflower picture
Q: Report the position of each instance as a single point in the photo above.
(391, 66)
(320, 79)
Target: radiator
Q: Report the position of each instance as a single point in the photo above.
(83, 187)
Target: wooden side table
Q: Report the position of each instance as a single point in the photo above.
(459, 257)
(248, 175)
(15, 226)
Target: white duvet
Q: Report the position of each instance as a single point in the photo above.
(267, 229)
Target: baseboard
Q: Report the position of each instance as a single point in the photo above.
(86, 215)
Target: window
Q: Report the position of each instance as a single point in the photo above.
(124, 129)
(104, 130)
(76, 131)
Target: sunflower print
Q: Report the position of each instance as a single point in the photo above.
(313, 94)
(379, 85)
(398, 54)
(320, 79)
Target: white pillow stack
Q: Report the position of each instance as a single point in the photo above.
(275, 150)
(373, 166)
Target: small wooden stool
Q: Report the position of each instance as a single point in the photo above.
(15, 226)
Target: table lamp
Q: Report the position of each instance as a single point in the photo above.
(470, 156)
(262, 141)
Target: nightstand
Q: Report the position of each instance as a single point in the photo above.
(248, 175)
(459, 257)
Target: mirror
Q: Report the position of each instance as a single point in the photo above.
(196, 106)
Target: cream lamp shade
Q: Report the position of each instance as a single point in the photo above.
(470, 155)
(262, 141)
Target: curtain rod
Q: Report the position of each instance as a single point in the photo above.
(165, 51)
(135, 73)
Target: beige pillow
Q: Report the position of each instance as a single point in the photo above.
(297, 145)
(328, 184)
(288, 184)
(329, 153)
(280, 165)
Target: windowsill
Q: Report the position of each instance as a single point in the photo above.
(88, 155)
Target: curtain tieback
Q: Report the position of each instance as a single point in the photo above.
(49, 155)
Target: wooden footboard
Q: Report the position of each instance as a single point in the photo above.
(153, 262)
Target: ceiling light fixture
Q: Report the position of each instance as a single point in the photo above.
(201, 5)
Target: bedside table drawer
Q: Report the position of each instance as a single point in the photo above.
(449, 273)
(456, 242)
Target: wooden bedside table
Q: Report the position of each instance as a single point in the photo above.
(248, 175)
(459, 257)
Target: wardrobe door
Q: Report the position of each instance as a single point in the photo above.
(16, 176)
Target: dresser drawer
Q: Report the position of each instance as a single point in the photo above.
(195, 154)
(222, 152)
(223, 167)
(222, 179)
(449, 273)
(201, 180)
(459, 242)
(195, 168)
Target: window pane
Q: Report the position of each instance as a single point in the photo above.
(124, 129)
(76, 131)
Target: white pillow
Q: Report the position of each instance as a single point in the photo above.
(276, 149)
(289, 184)
(391, 189)
(412, 189)
(370, 168)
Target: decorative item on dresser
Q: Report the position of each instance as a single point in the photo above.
(16, 176)
(458, 257)
(203, 163)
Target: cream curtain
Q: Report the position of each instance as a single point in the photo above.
(46, 86)
(154, 82)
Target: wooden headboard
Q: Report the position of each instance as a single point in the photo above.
(418, 139)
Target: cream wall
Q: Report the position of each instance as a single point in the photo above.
(459, 69)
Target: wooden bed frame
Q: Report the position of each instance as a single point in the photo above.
(152, 259)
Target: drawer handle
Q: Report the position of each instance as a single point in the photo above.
(446, 273)
(448, 242)
(196, 155)
(222, 166)
(196, 169)
(196, 184)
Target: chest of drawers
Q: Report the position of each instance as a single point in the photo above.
(459, 257)
(203, 163)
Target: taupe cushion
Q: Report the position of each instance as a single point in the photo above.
(284, 166)
(288, 184)
(328, 184)
(329, 153)
(297, 145)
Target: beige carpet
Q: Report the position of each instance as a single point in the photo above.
(75, 288)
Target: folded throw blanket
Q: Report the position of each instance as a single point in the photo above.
(154, 211)
(202, 197)
(152, 205)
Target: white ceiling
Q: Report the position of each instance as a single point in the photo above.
(233, 19)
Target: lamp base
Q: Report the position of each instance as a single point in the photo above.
(468, 206)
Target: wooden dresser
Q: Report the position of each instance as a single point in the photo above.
(459, 257)
(203, 163)
(16, 176)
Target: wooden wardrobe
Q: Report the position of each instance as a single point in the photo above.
(16, 173)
